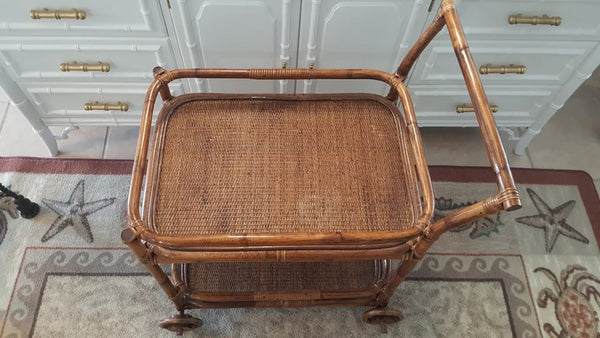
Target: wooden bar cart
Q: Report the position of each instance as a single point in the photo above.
(294, 200)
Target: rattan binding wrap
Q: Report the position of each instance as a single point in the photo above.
(255, 165)
(281, 277)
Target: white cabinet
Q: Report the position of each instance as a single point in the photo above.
(131, 37)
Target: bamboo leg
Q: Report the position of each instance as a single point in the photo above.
(388, 291)
(129, 237)
(468, 214)
(178, 323)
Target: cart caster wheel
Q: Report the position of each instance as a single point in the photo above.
(180, 323)
(382, 317)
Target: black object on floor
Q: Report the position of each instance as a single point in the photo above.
(27, 208)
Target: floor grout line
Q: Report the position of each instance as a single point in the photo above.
(4, 116)
(103, 156)
(528, 154)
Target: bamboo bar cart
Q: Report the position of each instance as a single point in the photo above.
(294, 200)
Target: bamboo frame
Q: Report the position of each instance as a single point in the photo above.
(409, 245)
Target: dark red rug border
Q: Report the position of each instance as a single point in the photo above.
(65, 166)
(581, 179)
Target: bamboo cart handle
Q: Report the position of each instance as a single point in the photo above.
(447, 17)
(493, 144)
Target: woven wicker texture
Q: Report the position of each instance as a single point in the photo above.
(232, 166)
(280, 277)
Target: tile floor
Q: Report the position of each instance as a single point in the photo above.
(571, 140)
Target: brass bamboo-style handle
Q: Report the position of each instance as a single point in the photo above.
(106, 106)
(75, 14)
(469, 109)
(510, 69)
(84, 67)
(519, 19)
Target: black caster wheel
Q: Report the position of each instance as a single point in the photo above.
(382, 317)
(180, 323)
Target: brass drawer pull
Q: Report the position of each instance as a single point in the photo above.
(511, 69)
(469, 109)
(75, 14)
(84, 67)
(106, 106)
(519, 19)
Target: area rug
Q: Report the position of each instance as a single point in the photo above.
(533, 272)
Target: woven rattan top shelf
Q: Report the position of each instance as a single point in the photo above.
(240, 164)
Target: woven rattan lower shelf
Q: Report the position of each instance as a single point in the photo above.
(280, 277)
(266, 284)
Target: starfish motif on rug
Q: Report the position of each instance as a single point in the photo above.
(552, 220)
(74, 213)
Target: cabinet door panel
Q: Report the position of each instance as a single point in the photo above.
(356, 34)
(238, 34)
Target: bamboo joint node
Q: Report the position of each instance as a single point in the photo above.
(414, 253)
(430, 235)
(447, 5)
(491, 205)
(181, 296)
(149, 257)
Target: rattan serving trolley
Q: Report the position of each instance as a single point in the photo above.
(294, 200)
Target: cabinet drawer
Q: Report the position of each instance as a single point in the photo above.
(579, 19)
(108, 17)
(547, 63)
(35, 60)
(65, 102)
(517, 106)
